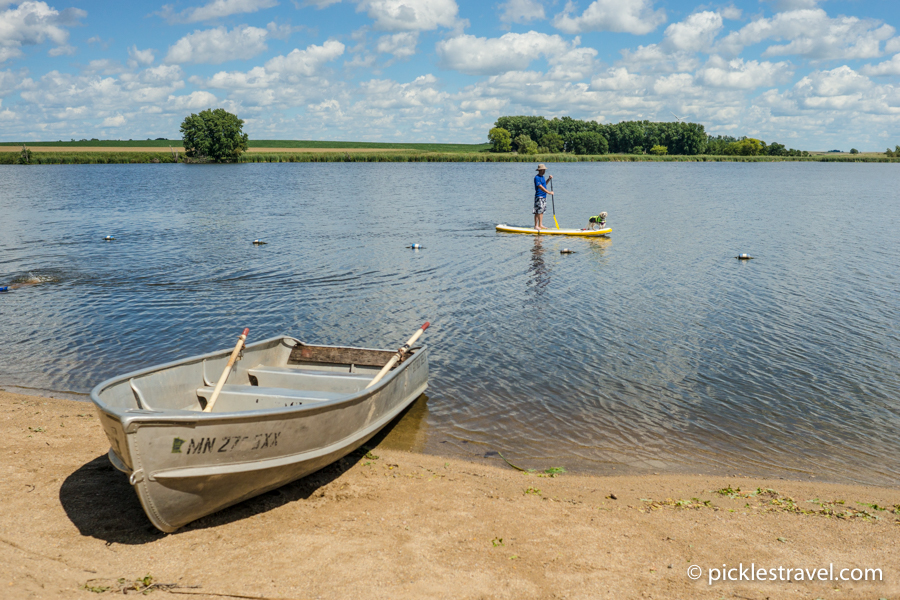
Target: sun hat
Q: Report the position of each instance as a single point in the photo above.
(541, 167)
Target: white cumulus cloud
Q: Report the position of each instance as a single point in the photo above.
(401, 45)
(510, 52)
(116, 121)
(745, 75)
(215, 46)
(695, 33)
(32, 23)
(618, 79)
(308, 62)
(813, 34)
(216, 9)
(888, 67)
(411, 15)
(140, 57)
(521, 11)
(628, 16)
(199, 100)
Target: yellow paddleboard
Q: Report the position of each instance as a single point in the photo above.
(531, 230)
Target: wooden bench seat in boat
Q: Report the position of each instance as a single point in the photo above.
(236, 397)
(306, 379)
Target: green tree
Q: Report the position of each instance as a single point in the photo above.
(553, 142)
(854, 151)
(213, 135)
(500, 140)
(776, 149)
(745, 147)
(659, 150)
(589, 142)
(533, 127)
(525, 145)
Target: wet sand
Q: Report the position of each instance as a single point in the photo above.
(402, 525)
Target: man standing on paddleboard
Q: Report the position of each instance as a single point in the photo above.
(540, 197)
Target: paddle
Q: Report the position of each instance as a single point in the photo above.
(553, 200)
(403, 350)
(234, 357)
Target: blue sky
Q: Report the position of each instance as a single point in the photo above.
(812, 74)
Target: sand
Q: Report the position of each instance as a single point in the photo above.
(401, 525)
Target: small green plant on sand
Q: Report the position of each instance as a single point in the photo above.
(533, 491)
(553, 472)
(370, 456)
(497, 541)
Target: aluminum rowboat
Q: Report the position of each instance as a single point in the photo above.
(287, 410)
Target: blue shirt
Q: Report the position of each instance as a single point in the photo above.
(540, 181)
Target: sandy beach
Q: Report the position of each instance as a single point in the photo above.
(389, 524)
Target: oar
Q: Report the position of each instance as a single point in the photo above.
(403, 350)
(553, 200)
(234, 356)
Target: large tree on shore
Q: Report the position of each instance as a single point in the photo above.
(214, 135)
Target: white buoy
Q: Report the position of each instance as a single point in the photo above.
(109, 238)
(259, 243)
(415, 247)
(744, 257)
(566, 251)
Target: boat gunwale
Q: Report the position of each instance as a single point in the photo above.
(179, 416)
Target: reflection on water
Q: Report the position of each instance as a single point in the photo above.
(538, 272)
(653, 349)
(410, 430)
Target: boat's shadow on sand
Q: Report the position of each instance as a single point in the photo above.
(101, 504)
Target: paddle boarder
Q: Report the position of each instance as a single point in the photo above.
(540, 196)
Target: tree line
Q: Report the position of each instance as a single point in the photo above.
(538, 135)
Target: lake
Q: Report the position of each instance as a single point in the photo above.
(652, 350)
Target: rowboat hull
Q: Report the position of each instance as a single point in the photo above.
(281, 417)
(532, 231)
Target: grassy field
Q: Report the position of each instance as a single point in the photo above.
(158, 151)
(254, 144)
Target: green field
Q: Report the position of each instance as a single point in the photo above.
(264, 144)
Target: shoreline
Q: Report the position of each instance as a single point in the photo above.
(407, 434)
(48, 155)
(393, 524)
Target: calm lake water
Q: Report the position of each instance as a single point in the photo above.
(651, 351)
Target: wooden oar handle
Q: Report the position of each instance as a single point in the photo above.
(234, 356)
(394, 359)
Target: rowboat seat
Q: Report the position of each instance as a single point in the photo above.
(236, 397)
(307, 379)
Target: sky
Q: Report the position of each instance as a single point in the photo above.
(811, 74)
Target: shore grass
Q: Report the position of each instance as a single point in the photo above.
(420, 147)
(125, 157)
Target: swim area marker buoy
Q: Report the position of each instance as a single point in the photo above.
(744, 257)
(109, 238)
(566, 251)
(415, 247)
(259, 243)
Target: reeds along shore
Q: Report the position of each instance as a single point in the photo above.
(125, 157)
